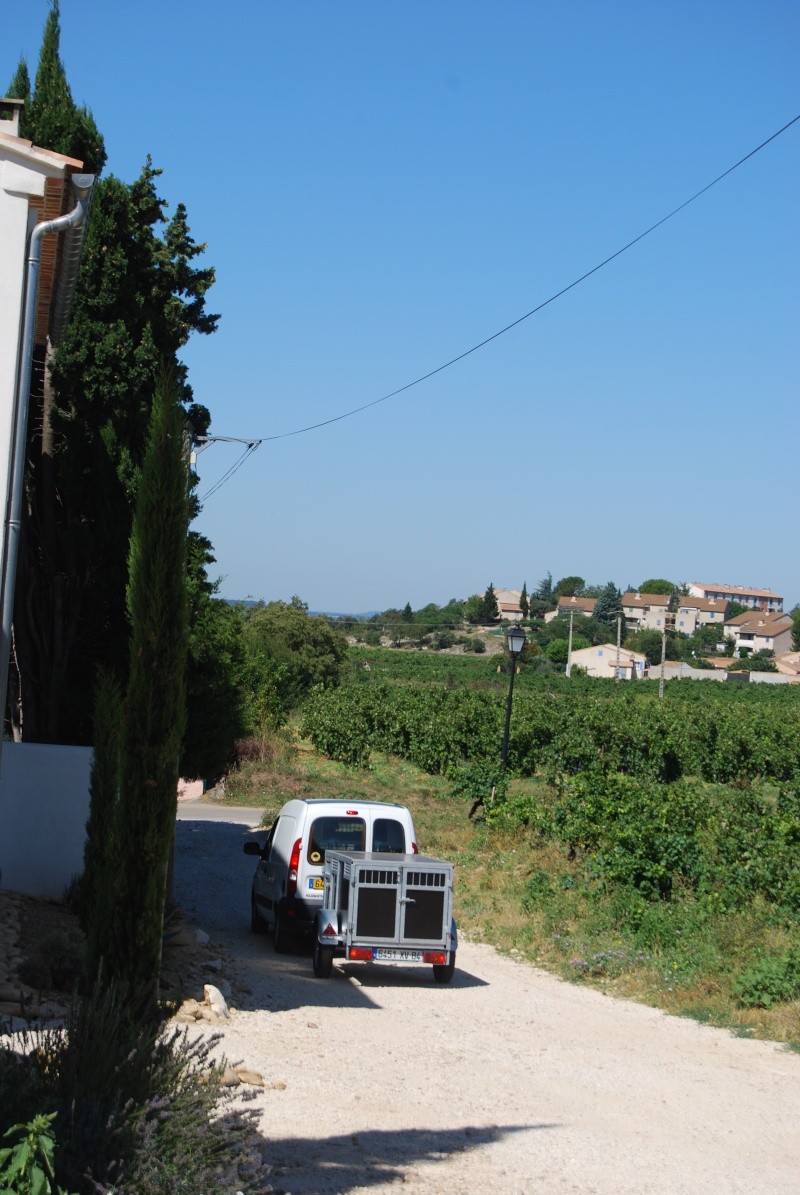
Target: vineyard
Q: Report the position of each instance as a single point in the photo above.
(689, 805)
(561, 729)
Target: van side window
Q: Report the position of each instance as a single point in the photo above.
(335, 834)
(268, 844)
(388, 835)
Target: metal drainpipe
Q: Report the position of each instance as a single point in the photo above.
(82, 185)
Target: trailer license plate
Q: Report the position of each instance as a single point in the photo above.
(316, 884)
(396, 954)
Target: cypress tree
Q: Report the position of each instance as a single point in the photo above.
(154, 718)
(20, 89)
(54, 120)
(524, 604)
(100, 850)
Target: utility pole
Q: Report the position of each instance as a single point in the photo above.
(663, 657)
(619, 640)
(569, 644)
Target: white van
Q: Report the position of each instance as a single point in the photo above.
(287, 884)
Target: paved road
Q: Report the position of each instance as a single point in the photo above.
(507, 1080)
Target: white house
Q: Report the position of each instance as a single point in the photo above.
(508, 604)
(606, 661)
(755, 599)
(760, 632)
(44, 791)
(694, 612)
(648, 610)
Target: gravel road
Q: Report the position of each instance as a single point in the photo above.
(508, 1079)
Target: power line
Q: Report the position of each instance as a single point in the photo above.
(204, 442)
(508, 327)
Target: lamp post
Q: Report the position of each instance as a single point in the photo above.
(515, 641)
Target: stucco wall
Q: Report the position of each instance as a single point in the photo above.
(44, 804)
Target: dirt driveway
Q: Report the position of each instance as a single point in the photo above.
(508, 1080)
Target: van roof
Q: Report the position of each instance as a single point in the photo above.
(348, 801)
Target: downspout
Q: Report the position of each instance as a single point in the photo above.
(74, 223)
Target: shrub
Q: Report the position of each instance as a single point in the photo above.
(773, 980)
(57, 961)
(140, 1107)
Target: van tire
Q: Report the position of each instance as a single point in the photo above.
(443, 972)
(257, 923)
(323, 959)
(280, 935)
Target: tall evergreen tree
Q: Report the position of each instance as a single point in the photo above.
(52, 118)
(524, 604)
(545, 588)
(100, 855)
(155, 699)
(490, 611)
(608, 607)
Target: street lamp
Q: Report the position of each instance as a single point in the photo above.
(515, 641)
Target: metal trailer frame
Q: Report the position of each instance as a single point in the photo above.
(386, 908)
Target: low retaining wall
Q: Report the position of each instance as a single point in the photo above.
(44, 805)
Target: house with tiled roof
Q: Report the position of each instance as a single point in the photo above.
(646, 611)
(572, 605)
(755, 599)
(694, 612)
(508, 604)
(607, 660)
(760, 632)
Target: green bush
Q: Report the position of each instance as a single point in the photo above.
(140, 1107)
(773, 980)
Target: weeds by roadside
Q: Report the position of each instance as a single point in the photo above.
(522, 892)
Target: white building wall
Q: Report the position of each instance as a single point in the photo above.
(44, 806)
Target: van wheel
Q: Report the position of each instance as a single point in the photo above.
(443, 972)
(323, 959)
(280, 935)
(257, 923)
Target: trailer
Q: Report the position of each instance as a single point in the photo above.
(386, 908)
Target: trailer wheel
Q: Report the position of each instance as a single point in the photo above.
(280, 935)
(443, 972)
(323, 959)
(257, 923)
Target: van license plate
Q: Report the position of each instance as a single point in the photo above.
(316, 884)
(396, 954)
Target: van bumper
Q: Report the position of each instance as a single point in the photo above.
(299, 912)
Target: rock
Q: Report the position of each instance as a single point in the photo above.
(253, 1078)
(213, 964)
(184, 1018)
(230, 1078)
(189, 1012)
(215, 999)
(202, 937)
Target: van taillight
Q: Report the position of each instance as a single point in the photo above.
(294, 863)
(414, 848)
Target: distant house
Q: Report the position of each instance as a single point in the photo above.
(694, 612)
(760, 632)
(568, 605)
(755, 599)
(508, 604)
(606, 660)
(646, 611)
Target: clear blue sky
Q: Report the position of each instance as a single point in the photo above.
(382, 185)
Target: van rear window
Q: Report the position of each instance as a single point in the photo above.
(335, 834)
(388, 835)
